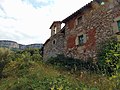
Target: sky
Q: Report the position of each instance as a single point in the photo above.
(28, 21)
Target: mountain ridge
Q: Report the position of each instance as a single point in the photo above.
(14, 45)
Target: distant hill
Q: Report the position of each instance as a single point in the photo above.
(15, 45)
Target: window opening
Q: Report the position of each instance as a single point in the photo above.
(118, 22)
(79, 20)
(55, 29)
(54, 42)
(81, 39)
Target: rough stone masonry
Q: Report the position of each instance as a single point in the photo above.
(84, 31)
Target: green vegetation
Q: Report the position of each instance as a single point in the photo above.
(109, 58)
(25, 70)
(5, 55)
(104, 73)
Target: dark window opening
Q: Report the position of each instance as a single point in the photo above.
(118, 23)
(54, 42)
(81, 40)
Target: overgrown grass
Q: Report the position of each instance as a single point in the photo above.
(89, 77)
(103, 74)
(37, 76)
(24, 70)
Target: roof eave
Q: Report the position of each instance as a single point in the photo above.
(77, 12)
(54, 22)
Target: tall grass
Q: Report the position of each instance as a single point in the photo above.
(26, 71)
(23, 72)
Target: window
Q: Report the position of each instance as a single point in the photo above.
(55, 29)
(79, 20)
(81, 40)
(54, 42)
(118, 23)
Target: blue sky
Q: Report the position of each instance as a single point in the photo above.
(28, 21)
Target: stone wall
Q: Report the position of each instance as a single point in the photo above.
(53, 46)
(96, 24)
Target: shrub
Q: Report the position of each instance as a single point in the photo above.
(29, 54)
(72, 64)
(31, 75)
(109, 58)
(5, 57)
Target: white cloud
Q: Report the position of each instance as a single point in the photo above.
(26, 24)
(38, 3)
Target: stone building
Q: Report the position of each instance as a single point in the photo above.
(55, 44)
(84, 30)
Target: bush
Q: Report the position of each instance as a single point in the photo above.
(108, 61)
(5, 57)
(31, 75)
(109, 58)
(29, 54)
(71, 64)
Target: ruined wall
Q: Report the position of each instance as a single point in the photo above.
(54, 46)
(96, 24)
